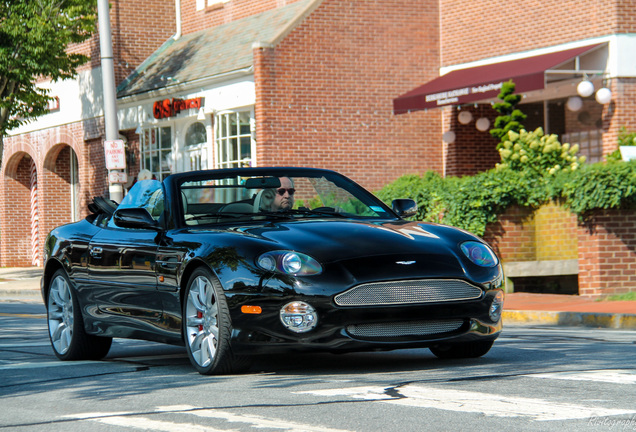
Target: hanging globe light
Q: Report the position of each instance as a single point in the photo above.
(464, 117)
(603, 95)
(574, 103)
(482, 124)
(585, 88)
(448, 137)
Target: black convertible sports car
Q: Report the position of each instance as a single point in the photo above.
(248, 261)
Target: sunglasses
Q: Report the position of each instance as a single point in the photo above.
(282, 191)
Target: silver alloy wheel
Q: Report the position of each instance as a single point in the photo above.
(60, 314)
(202, 321)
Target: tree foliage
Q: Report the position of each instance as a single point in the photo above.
(34, 40)
(510, 117)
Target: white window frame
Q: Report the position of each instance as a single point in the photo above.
(223, 137)
(158, 172)
(200, 4)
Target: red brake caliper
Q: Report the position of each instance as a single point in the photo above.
(200, 315)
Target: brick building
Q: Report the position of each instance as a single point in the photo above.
(219, 83)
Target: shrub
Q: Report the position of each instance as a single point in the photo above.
(596, 186)
(472, 202)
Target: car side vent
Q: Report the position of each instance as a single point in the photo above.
(408, 292)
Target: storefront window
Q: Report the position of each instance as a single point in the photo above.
(195, 141)
(156, 151)
(234, 140)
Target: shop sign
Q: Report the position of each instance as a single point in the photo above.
(171, 107)
(115, 155)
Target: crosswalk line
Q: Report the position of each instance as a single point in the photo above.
(131, 421)
(255, 421)
(616, 376)
(45, 364)
(473, 402)
(144, 423)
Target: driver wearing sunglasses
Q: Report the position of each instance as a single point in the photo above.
(284, 197)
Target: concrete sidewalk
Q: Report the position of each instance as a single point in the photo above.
(23, 285)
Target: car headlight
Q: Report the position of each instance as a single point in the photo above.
(299, 317)
(289, 262)
(479, 254)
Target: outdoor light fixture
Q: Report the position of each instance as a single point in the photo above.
(574, 103)
(603, 95)
(139, 130)
(585, 88)
(201, 115)
(465, 117)
(482, 124)
(448, 137)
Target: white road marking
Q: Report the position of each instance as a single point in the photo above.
(130, 420)
(617, 376)
(38, 365)
(25, 344)
(467, 401)
(144, 423)
(255, 421)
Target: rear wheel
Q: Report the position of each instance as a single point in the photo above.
(66, 326)
(462, 350)
(207, 327)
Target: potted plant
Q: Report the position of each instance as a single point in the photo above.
(627, 144)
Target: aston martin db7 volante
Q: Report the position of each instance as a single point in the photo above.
(237, 262)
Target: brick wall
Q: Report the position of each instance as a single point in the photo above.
(513, 235)
(50, 149)
(545, 234)
(137, 31)
(54, 187)
(607, 253)
(15, 247)
(220, 13)
(474, 30)
(555, 233)
(473, 151)
(324, 94)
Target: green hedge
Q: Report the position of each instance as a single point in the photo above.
(472, 202)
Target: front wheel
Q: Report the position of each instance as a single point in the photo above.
(66, 326)
(207, 327)
(462, 350)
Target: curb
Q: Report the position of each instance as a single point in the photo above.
(572, 319)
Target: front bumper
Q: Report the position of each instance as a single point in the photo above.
(342, 329)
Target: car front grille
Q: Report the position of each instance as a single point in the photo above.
(404, 329)
(408, 292)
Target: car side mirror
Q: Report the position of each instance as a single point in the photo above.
(135, 218)
(404, 207)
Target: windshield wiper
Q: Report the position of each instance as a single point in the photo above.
(317, 212)
(238, 215)
(219, 215)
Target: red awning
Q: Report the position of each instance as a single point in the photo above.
(484, 82)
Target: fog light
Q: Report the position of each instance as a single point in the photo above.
(298, 317)
(497, 306)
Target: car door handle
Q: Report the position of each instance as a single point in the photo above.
(96, 252)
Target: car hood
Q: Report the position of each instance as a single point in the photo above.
(364, 250)
(336, 240)
(348, 241)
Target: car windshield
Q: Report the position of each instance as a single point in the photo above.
(281, 196)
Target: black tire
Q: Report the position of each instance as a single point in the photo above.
(68, 338)
(207, 327)
(462, 350)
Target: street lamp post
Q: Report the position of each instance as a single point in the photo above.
(108, 82)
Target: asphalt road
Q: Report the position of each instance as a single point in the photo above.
(534, 379)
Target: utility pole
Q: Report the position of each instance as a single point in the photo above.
(109, 90)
